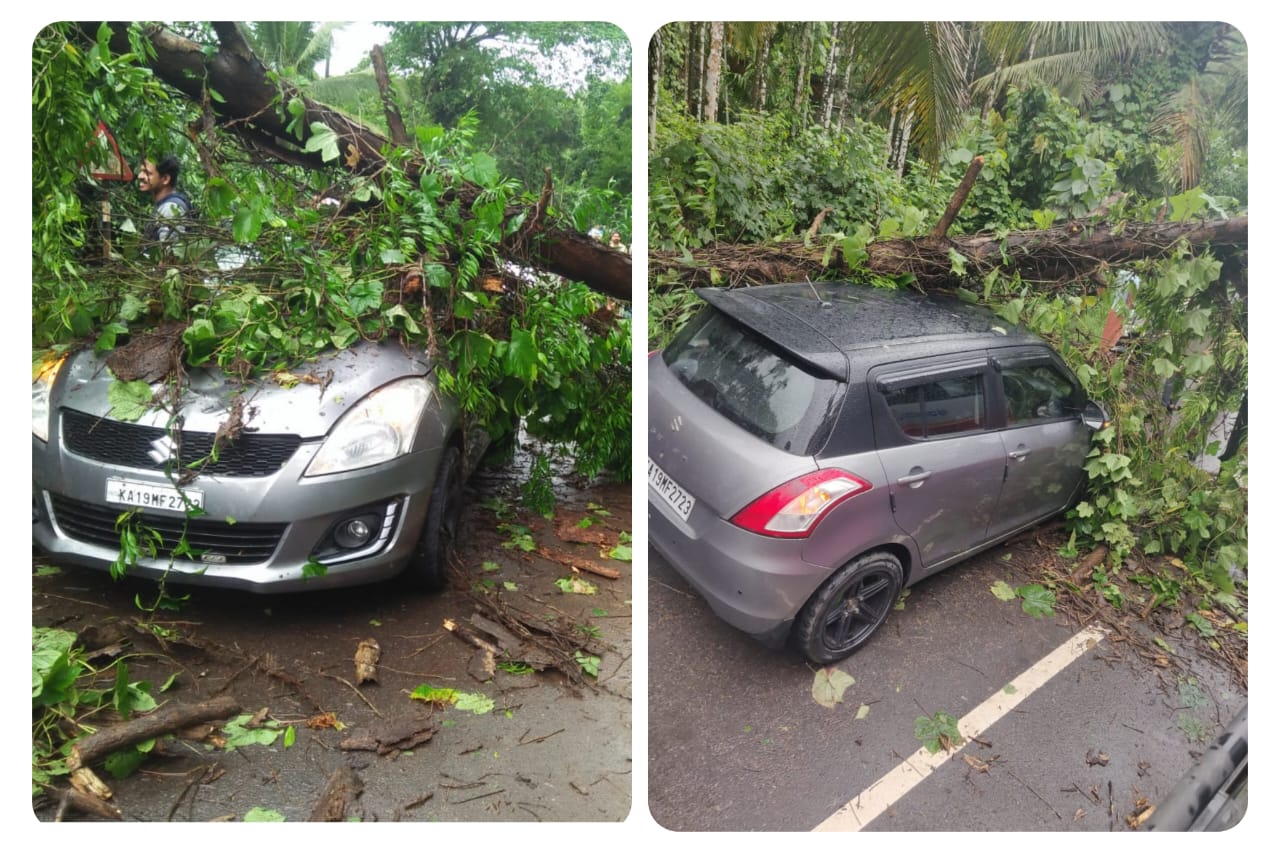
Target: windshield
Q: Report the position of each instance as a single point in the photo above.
(742, 376)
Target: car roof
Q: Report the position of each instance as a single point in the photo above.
(827, 325)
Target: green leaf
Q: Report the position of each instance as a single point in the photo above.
(289, 737)
(509, 586)
(437, 695)
(476, 703)
(576, 585)
(939, 732)
(590, 663)
(324, 140)
(958, 263)
(246, 225)
(1201, 624)
(829, 686)
(622, 553)
(122, 764)
(1036, 600)
(522, 355)
(129, 400)
(864, 710)
(238, 736)
(258, 814)
(1003, 591)
(314, 569)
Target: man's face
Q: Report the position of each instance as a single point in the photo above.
(149, 180)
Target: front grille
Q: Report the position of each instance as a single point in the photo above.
(214, 541)
(134, 446)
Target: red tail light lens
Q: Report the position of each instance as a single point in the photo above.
(793, 509)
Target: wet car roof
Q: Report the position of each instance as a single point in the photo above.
(850, 318)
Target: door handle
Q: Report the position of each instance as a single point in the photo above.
(915, 479)
(1020, 453)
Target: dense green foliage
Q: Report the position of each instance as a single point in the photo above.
(410, 265)
(1084, 131)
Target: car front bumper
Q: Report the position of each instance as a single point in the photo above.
(256, 533)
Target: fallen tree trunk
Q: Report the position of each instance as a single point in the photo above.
(166, 720)
(250, 104)
(1059, 254)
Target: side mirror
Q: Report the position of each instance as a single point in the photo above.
(1094, 416)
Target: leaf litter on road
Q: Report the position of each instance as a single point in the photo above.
(829, 685)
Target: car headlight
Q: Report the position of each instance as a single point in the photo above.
(380, 427)
(41, 386)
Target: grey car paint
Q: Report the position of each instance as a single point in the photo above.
(932, 502)
(306, 507)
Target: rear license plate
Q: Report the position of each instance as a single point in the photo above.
(152, 496)
(677, 498)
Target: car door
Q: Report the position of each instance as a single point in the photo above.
(944, 467)
(1045, 440)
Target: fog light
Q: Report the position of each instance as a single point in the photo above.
(354, 533)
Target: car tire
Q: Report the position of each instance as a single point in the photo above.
(428, 569)
(846, 610)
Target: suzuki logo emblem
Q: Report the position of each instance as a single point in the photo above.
(163, 449)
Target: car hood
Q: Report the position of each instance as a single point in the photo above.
(305, 401)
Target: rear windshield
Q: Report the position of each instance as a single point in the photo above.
(752, 383)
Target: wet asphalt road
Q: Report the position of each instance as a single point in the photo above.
(737, 742)
(549, 751)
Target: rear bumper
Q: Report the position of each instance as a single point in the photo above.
(755, 583)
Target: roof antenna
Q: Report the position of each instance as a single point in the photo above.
(821, 302)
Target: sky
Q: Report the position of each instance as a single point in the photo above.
(352, 43)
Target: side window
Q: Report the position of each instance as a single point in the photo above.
(938, 408)
(1036, 393)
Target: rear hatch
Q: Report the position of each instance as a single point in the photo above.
(732, 415)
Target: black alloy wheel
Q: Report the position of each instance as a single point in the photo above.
(846, 610)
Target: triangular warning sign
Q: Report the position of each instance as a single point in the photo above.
(104, 159)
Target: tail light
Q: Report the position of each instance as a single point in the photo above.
(793, 509)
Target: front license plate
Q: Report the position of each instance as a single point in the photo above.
(152, 496)
(677, 498)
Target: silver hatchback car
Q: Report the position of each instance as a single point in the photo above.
(815, 447)
(354, 463)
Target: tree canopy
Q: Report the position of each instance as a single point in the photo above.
(348, 236)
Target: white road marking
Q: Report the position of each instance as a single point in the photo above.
(895, 784)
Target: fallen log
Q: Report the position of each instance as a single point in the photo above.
(248, 105)
(166, 720)
(1063, 253)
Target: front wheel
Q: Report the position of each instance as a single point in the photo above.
(847, 609)
(428, 569)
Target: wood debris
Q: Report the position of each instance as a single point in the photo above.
(166, 720)
(339, 795)
(391, 737)
(367, 654)
(580, 563)
(571, 529)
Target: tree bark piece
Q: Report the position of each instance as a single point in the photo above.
(339, 795)
(1087, 565)
(70, 798)
(580, 564)
(164, 721)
